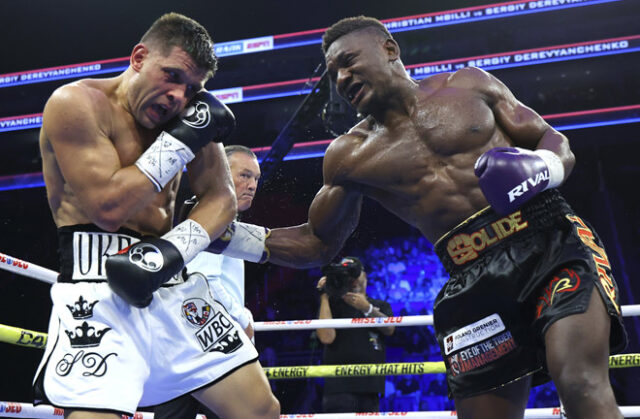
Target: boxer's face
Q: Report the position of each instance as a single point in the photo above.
(164, 84)
(245, 172)
(358, 63)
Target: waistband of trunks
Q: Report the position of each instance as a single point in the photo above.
(83, 251)
(487, 231)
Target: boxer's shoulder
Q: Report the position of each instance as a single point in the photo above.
(460, 78)
(342, 154)
(86, 89)
(353, 139)
(471, 78)
(83, 106)
(83, 97)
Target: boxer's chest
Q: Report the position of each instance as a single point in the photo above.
(130, 139)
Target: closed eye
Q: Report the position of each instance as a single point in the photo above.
(173, 76)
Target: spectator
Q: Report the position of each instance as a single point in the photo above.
(343, 295)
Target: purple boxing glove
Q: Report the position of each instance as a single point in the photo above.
(510, 176)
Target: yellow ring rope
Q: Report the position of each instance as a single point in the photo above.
(23, 337)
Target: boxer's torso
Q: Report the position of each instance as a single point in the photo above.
(420, 167)
(130, 140)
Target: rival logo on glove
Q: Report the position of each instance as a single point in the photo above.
(197, 115)
(523, 187)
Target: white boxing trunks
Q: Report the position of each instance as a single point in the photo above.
(105, 354)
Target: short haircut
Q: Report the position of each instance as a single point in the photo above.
(231, 149)
(351, 24)
(176, 30)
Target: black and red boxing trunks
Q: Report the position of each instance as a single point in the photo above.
(511, 277)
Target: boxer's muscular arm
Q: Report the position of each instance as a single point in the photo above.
(522, 124)
(210, 180)
(333, 216)
(108, 193)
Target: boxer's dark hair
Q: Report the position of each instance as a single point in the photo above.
(176, 30)
(230, 149)
(351, 24)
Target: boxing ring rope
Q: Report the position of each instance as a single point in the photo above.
(23, 337)
(25, 410)
(422, 320)
(396, 368)
(19, 266)
(30, 338)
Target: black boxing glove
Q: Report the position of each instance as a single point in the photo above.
(204, 119)
(135, 272)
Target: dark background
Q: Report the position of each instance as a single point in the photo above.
(603, 187)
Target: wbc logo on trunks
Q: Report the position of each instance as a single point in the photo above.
(197, 115)
(146, 256)
(197, 311)
(216, 332)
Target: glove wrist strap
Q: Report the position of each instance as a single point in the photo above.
(554, 165)
(189, 237)
(248, 243)
(164, 159)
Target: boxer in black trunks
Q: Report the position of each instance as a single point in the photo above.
(520, 274)
(436, 153)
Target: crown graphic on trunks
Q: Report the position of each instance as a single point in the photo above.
(228, 343)
(82, 309)
(86, 336)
